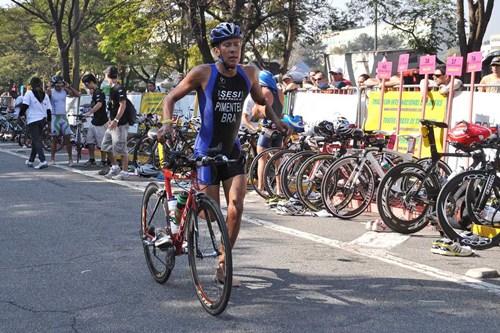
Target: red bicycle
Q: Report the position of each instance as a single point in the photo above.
(202, 233)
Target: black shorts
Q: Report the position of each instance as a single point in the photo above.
(214, 174)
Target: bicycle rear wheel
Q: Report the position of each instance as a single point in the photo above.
(405, 197)
(253, 174)
(464, 209)
(209, 253)
(272, 172)
(153, 218)
(347, 190)
(310, 177)
(289, 172)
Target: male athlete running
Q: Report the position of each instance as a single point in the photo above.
(222, 88)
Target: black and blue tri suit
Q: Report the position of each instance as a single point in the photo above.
(221, 107)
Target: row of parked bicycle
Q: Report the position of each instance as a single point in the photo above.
(340, 168)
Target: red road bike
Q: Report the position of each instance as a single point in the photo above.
(202, 233)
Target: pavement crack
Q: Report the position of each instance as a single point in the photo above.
(32, 310)
(73, 324)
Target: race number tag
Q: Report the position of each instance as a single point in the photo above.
(427, 64)
(474, 62)
(454, 66)
(384, 70)
(404, 60)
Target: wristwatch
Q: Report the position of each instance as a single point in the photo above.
(116, 120)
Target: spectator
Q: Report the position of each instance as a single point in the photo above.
(248, 120)
(288, 84)
(337, 79)
(95, 133)
(37, 108)
(307, 83)
(493, 78)
(441, 81)
(115, 137)
(320, 81)
(151, 86)
(268, 138)
(17, 105)
(59, 125)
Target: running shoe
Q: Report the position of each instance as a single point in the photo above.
(89, 163)
(42, 165)
(447, 247)
(104, 171)
(28, 164)
(272, 202)
(123, 175)
(113, 171)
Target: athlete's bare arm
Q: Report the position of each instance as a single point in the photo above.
(258, 97)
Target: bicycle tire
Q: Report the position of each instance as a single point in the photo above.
(332, 185)
(272, 171)
(153, 215)
(310, 177)
(253, 173)
(289, 172)
(207, 219)
(397, 187)
(449, 208)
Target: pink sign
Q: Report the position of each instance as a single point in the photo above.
(454, 66)
(384, 70)
(427, 64)
(404, 60)
(474, 62)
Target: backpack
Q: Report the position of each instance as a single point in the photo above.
(131, 113)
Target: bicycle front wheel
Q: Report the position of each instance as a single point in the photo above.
(209, 253)
(153, 218)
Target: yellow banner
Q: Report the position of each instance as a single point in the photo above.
(152, 103)
(411, 114)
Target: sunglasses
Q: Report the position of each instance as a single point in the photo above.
(438, 75)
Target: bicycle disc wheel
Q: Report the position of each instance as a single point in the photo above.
(467, 195)
(310, 177)
(153, 217)
(405, 197)
(208, 247)
(289, 172)
(345, 191)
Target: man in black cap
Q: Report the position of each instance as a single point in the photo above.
(493, 78)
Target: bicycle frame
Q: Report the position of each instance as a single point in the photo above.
(169, 175)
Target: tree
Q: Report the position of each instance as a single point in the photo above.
(427, 25)
(26, 47)
(145, 38)
(68, 18)
(479, 17)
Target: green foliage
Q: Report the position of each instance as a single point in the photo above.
(427, 25)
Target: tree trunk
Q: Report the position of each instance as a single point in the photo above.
(199, 28)
(65, 67)
(76, 47)
(292, 34)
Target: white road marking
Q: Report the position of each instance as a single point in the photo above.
(380, 240)
(373, 253)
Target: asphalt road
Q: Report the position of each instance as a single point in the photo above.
(71, 261)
